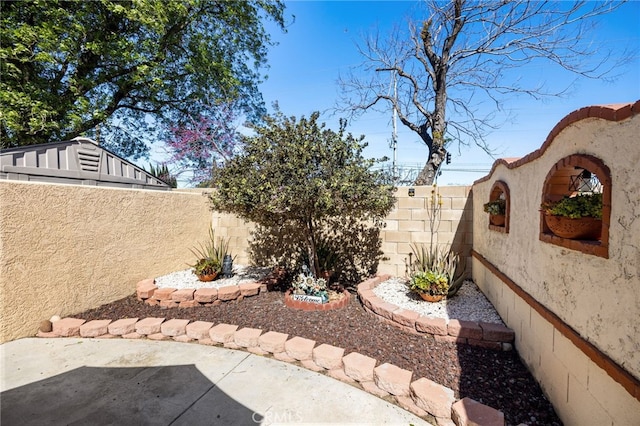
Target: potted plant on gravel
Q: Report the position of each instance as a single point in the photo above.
(497, 210)
(436, 272)
(210, 257)
(576, 217)
(432, 286)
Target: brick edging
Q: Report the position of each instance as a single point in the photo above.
(614, 113)
(148, 292)
(487, 335)
(422, 397)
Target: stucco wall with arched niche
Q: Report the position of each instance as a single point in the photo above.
(574, 313)
(500, 190)
(564, 180)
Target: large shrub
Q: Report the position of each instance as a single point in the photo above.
(298, 176)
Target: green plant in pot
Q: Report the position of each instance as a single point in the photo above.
(496, 209)
(207, 269)
(430, 285)
(210, 257)
(576, 217)
(436, 272)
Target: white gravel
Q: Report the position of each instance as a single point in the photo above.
(468, 304)
(187, 279)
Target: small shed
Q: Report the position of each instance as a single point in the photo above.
(80, 161)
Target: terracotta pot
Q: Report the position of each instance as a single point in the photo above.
(497, 219)
(430, 298)
(584, 228)
(207, 277)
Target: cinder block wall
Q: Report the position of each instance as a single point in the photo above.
(407, 224)
(574, 313)
(68, 248)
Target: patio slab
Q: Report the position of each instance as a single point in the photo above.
(121, 381)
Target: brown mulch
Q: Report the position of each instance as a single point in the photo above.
(497, 379)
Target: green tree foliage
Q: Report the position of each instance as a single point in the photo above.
(298, 176)
(161, 171)
(125, 67)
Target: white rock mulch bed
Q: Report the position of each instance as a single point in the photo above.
(187, 279)
(469, 304)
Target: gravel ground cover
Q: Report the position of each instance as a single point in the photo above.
(498, 379)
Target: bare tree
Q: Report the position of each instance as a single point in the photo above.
(466, 54)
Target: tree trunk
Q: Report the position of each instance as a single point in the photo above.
(431, 169)
(311, 250)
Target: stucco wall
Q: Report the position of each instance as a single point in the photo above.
(597, 297)
(67, 248)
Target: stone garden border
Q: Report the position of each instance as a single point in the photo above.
(486, 335)
(422, 397)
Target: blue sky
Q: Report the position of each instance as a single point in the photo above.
(321, 43)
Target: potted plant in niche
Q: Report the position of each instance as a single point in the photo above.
(210, 257)
(497, 210)
(575, 217)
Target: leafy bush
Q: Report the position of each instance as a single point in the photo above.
(296, 175)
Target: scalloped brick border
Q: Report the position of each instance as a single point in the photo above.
(149, 293)
(306, 306)
(487, 335)
(422, 397)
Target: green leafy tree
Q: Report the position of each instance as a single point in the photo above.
(120, 70)
(298, 176)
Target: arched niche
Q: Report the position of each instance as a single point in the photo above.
(572, 175)
(501, 190)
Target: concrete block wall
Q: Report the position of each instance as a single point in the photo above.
(573, 376)
(407, 224)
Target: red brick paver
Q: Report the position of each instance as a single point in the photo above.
(94, 328)
(359, 367)
(199, 329)
(300, 348)
(222, 333)
(432, 397)
(174, 327)
(273, 342)
(122, 326)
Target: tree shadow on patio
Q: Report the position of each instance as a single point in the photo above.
(176, 395)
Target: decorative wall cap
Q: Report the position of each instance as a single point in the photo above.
(610, 112)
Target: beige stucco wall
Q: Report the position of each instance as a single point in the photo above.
(599, 298)
(67, 248)
(581, 392)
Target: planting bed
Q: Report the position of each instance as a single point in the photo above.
(495, 378)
